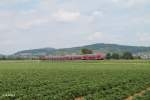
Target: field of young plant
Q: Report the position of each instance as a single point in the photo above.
(76, 80)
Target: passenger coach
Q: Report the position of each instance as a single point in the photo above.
(75, 57)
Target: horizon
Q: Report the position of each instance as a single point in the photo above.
(29, 24)
(73, 47)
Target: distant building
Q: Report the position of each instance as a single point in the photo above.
(143, 56)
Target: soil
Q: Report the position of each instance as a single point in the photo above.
(138, 94)
(79, 98)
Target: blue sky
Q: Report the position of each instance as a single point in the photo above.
(28, 24)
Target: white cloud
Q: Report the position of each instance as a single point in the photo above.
(143, 37)
(101, 37)
(28, 20)
(95, 15)
(66, 16)
(23, 20)
(98, 13)
(5, 13)
(11, 2)
(136, 39)
(96, 36)
(130, 3)
(30, 23)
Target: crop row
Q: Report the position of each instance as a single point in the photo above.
(94, 80)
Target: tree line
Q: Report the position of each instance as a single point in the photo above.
(125, 55)
(14, 58)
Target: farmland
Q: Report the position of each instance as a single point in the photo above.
(87, 80)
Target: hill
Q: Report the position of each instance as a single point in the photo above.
(35, 52)
(100, 47)
(1, 55)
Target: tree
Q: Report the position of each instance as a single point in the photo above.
(108, 56)
(137, 57)
(127, 55)
(3, 58)
(115, 56)
(86, 51)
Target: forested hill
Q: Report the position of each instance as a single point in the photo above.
(35, 52)
(1, 55)
(100, 47)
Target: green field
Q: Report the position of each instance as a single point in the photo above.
(90, 80)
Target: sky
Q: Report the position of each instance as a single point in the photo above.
(28, 24)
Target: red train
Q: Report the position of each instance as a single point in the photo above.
(75, 57)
